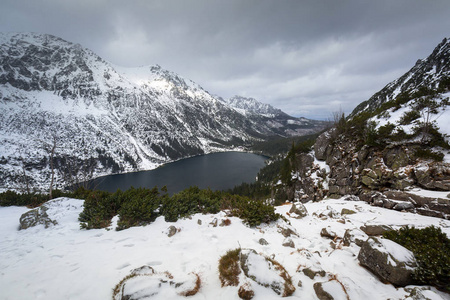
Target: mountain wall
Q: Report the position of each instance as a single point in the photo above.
(97, 118)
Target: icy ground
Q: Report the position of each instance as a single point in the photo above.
(64, 262)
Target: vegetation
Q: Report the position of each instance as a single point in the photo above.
(137, 207)
(229, 268)
(31, 200)
(431, 248)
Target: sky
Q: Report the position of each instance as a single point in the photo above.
(308, 58)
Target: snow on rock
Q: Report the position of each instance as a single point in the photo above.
(389, 260)
(65, 262)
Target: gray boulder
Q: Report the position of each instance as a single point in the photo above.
(372, 230)
(37, 216)
(388, 260)
(298, 210)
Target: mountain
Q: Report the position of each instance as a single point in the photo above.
(99, 118)
(429, 73)
(393, 151)
(274, 118)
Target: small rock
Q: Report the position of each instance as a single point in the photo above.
(172, 231)
(403, 206)
(372, 230)
(351, 198)
(199, 222)
(328, 233)
(214, 222)
(287, 232)
(288, 243)
(311, 274)
(263, 242)
(300, 283)
(298, 210)
(346, 211)
(321, 293)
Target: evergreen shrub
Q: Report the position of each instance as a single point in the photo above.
(431, 248)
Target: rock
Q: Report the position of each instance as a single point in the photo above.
(354, 236)
(225, 222)
(328, 233)
(321, 293)
(287, 232)
(300, 283)
(403, 206)
(298, 210)
(346, 211)
(311, 273)
(321, 144)
(172, 230)
(266, 272)
(263, 242)
(351, 198)
(430, 213)
(199, 222)
(388, 260)
(214, 222)
(372, 230)
(37, 216)
(330, 290)
(288, 243)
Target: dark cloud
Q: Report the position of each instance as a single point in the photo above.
(309, 58)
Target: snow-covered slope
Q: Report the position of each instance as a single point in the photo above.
(64, 262)
(103, 118)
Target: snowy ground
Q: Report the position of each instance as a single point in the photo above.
(64, 262)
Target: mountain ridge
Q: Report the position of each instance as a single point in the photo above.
(125, 119)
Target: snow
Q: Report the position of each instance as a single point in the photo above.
(397, 252)
(65, 262)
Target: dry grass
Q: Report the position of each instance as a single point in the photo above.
(198, 284)
(245, 292)
(118, 287)
(333, 277)
(226, 222)
(229, 268)
(289, 288)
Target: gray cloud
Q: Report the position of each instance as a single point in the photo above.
(308, 58)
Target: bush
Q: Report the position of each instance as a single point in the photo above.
(431, 248)
(99, 208)
(137, 207)
(11, 198)
(429, 154)
(409, 116)
(190, 201)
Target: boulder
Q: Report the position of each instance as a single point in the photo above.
(171, 231)
(388, 260)
(330, 290)
(346, 211)
(266, 272)
(354, 236)
(321, 144)
(288, 242)
(37, 216)
(321, 293)
(328, 233)
(298, 210)
(372, 230)
(404, 206)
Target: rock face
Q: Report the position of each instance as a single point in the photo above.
(37, 216)
(388, 260)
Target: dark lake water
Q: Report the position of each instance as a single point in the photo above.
(218, 171)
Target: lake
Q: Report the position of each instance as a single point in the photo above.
(217, 171)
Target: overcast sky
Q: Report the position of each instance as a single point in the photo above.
(308, 58)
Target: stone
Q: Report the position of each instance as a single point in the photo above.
(312, 274)
(288, 243)
(287, 232)
(172, 230)
(321, 293)
(388, 260)
(298, 210)
(214, 222)
(372, 230)
(354, 236)
(328, 233)
(199, 222)
(263, 242)
(37, 216)
(404, 206)
(276, 277)
(351, 198)
(346, 211)
(321, 144)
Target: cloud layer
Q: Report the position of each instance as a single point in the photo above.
(308, 58)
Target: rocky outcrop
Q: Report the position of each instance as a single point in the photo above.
(37, 216)
(388, 260)
(298, 210)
